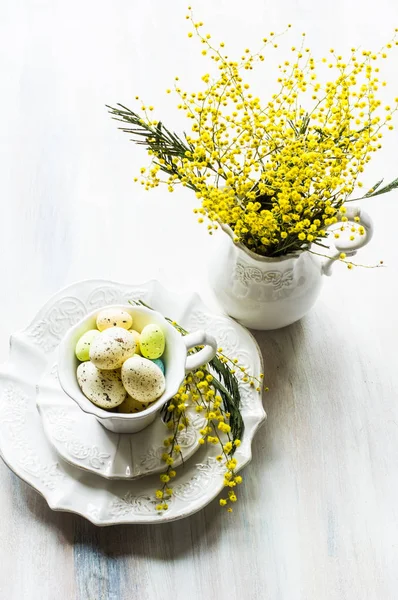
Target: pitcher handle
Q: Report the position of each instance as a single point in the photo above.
(199, 338)
(350, 249)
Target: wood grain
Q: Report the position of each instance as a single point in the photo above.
(318, 513)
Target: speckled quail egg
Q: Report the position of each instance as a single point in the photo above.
(104, 388)
(82, 349)
(111, 348)
(114, 317)
(152, 341)
(131, 405)
(142, 379)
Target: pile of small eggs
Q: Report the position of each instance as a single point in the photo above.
(121, 368)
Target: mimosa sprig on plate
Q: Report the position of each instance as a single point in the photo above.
(213, 391)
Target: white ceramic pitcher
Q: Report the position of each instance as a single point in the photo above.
(269, 293)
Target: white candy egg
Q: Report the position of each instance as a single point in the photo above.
(114, 317)
(143, 380)
(104, 388)
(111, 348)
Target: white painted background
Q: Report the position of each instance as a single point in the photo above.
(318, 515)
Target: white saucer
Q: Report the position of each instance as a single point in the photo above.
(26, 450)
(83, 442)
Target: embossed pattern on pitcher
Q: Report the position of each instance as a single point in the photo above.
(277, 279)
(264, 293)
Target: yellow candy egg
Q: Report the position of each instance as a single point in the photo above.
(152, 341)
(137, 339)
(114, 317)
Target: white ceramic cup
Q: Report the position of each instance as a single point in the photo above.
(176, 360)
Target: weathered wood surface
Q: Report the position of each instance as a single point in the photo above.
(318, 512)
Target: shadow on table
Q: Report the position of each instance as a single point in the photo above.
(163, 541)
(168, 541)
(282, 351)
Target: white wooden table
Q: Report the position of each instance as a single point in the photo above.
(318, 513)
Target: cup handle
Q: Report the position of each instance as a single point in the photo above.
(199, 338)
(350, 249)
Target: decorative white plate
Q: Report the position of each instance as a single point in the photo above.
(26, 450)
(82, 441)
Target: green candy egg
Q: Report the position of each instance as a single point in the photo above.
(82, 349)
(152, 341)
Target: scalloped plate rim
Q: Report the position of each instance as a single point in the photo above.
(191, 508)
(61, 452)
